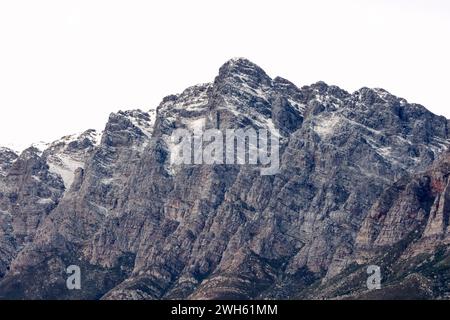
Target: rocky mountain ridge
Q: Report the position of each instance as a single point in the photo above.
(140, 228)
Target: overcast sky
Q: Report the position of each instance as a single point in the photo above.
(65, 65)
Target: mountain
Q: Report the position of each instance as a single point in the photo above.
(362, 181)
(407, 232)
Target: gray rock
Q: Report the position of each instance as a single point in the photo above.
(142, 228)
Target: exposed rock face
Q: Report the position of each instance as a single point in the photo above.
(416, 205)
(28, 193)
(66, 155)
(143, 228)
(406, 233)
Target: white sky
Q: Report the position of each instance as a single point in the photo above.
(65, 65)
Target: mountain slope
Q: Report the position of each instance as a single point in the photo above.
(406, 233)
(142, 228)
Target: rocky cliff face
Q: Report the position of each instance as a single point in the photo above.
(28, 193)
(347, 194)
(406, 233)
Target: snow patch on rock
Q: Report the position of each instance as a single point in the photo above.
(326, 126)
(64, 166)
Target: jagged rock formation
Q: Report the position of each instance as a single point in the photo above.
(28, 193)
(142, 228)
(69, 153)
(406, 233)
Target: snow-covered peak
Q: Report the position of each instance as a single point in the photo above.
(5, 150)
(41, 146)
(242, 74)
(242, 63)
(239, 60)
(144, 121)
(7, 157)
(64, 156)
(87, 138)
(375, 95)
(193, 99)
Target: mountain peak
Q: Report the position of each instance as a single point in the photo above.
(244, 69)
(199, 231)
(240, 61)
